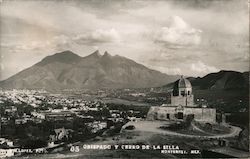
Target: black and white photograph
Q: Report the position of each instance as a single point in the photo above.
(91, 79)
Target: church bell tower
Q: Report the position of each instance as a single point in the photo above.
(182, 93)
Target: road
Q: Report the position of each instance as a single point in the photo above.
(153, 126)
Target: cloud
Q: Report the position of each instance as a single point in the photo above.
(178, 34)
(202, 69)
(243, 58)
(142, 30)
(167, 70)
(99, 36)
(19, 47)
(55, 42)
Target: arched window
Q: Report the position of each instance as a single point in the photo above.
(182, 93)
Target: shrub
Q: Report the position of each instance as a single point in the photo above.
(130, 127)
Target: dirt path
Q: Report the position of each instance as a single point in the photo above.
(153, 126)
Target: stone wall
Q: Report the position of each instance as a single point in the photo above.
(171, 113)
(202, 114)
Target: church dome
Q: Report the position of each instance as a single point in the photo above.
(181, 83)
(184, 83)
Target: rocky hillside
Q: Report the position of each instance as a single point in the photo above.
(66, 70)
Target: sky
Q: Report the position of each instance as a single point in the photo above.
(176, 37)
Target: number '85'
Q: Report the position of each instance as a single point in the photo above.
(74, 149)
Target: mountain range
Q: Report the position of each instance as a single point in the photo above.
(222, 80)
(67, 70)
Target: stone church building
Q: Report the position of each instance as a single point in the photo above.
(182, 105)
